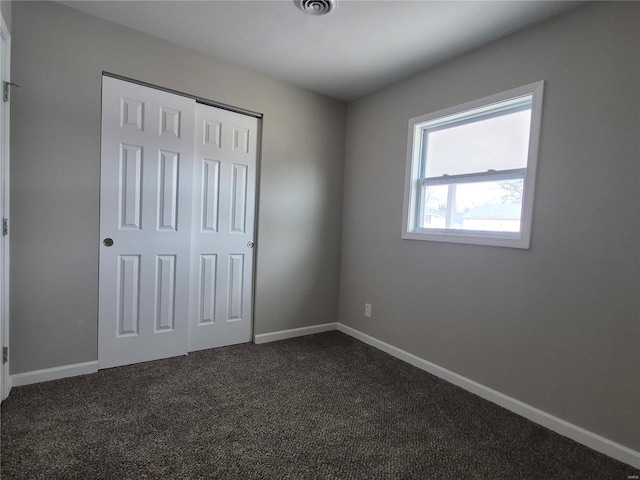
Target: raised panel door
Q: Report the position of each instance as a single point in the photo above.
(145, 212)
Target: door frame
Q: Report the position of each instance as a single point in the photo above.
(242, 111)
(5, 58)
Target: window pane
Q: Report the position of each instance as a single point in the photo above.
(435, 206)
(494, 206)
(499, 143)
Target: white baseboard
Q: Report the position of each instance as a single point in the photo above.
(55, 373)
(579, 434)
(294, 332)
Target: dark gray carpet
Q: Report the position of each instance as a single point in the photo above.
(319, 407)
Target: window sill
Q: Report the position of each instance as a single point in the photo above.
(492, 239)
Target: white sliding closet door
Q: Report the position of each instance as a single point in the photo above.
(177, 214)
(145, 223)
(223, 233)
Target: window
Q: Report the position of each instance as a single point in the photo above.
(471, 171)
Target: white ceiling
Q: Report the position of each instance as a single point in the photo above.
(360, 47)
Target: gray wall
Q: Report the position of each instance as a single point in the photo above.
(58, 56)
(556, 326)
(5, 8)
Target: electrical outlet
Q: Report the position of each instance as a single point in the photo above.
(367, 310)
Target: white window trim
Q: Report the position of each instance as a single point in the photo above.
(520, 239)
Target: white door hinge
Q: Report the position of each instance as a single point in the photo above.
(5, 89)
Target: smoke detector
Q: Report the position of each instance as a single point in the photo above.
(316, 7)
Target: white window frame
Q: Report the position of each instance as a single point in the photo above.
(415, 165)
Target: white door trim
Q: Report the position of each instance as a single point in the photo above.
(5, 379)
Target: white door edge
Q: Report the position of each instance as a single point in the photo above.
(5, 379)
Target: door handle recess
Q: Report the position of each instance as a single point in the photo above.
(107, 242)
